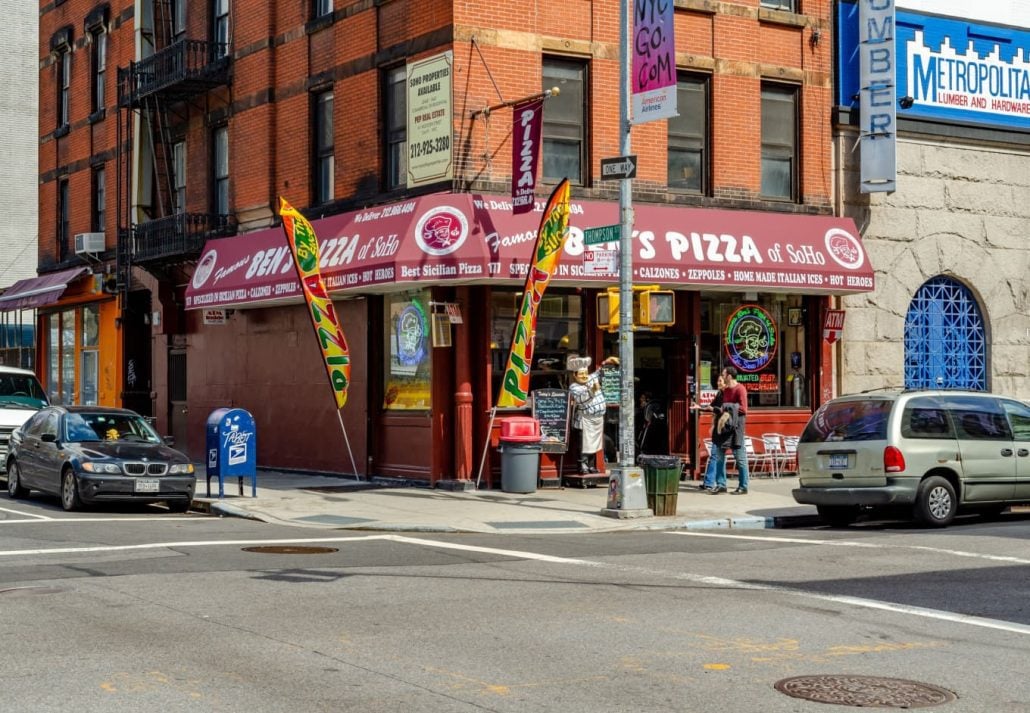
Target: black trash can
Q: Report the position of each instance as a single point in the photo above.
(661, 481)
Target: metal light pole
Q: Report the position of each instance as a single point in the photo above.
(626, 429)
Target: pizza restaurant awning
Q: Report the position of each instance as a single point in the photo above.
(463, 238)
(38, 291)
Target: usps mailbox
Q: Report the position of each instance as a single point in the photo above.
(231, 448)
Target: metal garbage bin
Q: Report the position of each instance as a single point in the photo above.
(520, 454)
(661, 482)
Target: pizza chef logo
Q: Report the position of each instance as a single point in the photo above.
(204, 269)
(441, 230)
(844, 248)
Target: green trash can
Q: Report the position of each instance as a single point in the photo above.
(661, 481)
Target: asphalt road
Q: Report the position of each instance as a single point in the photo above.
(139, 610)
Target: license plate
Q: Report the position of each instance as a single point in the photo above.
(148, 485)
(839, 460)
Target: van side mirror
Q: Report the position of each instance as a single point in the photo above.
(168, 440)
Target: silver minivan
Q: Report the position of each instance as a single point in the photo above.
(928, 453)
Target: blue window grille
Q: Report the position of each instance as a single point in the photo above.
(945, 346)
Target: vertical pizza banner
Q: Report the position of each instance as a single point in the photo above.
(550, 241)
(304, 246)
(526, 133)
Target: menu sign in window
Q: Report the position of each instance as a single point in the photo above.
(611, 384)
(551, 407)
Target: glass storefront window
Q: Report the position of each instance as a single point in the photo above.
(408, 352)
(559, 334)
(53, 369)
(764, 338)
(68, 357)
(90, 326)
(89, 375)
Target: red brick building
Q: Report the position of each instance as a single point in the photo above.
(212, 110)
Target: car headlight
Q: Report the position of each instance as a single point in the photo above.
(180, 469)
(100, 467)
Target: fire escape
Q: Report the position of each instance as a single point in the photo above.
(163, 90)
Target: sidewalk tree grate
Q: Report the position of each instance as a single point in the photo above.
(865, 691)
(290, 550)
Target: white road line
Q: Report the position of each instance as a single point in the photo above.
(25, 514)
(864, 545)
(196, 543)
(539, 557)
(156, 517)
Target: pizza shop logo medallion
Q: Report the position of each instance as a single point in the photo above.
(204, 269)
(441, 230)
(844, 248)
(750, 338)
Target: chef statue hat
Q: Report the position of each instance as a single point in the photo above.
(576, 363)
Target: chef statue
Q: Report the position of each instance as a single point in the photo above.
(590, 406)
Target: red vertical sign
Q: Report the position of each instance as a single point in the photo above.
(527, 129)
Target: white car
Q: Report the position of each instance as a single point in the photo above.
(21, 395)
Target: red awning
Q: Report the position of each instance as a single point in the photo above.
(38, 291)
(464, 238)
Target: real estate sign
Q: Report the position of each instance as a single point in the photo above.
(430, 126)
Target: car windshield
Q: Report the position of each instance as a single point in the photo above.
(21, 389)
(858, 420)
(84, 427)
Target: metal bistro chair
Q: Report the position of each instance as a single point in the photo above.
(790, 450)
(758, 462)
(772, 444)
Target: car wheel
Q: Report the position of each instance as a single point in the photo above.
(178, 505)
(69, 491)
(838, 516)
(935, 502)
(14, 487)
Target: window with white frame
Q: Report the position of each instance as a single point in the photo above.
(221, 34)
(179, 176)
(323, 144)
(64, 80)
(687, 157)
(565, 120)
(323, 8)
(99, 68)
(779, 142)
(220, 174)
(99, 200)
(178, 18)
(396, 120)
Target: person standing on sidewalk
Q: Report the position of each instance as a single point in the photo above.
(710, 482)
(735, 393)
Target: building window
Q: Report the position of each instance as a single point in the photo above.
(323, 8)
(945, 338)
(221, 9)
(178, 18)
(688, 136)
(560, 330)
(764, 338)
(99, 222)
(565, 120)
(63, 220)
(179, 176)
(785, 5)
(408, 352)
(323, 144)
(89, 361)
(396, 113)
(64, 79)
(73, 338)
(220, 174)
(99, 68)
(779, 142)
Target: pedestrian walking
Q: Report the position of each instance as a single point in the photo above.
(715, 408)
(735, 396)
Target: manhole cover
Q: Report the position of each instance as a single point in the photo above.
(290, 550)
(865, 691)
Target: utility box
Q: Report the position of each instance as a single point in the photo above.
(231, 448)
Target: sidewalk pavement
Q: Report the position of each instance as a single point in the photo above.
(328, 502)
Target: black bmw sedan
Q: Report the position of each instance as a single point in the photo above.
(91, 454)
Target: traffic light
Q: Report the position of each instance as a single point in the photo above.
(653, 309)
(109, 283)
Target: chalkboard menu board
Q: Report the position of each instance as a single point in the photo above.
(611, 384)
(551, 408)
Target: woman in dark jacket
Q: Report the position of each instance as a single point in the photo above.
(711, 482)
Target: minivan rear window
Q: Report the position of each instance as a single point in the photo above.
(858, 420)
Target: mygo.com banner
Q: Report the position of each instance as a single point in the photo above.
(554, 226)
(304, 246)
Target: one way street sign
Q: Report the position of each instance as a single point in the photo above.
(618, 168)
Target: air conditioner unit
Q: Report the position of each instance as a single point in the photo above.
(89, 243)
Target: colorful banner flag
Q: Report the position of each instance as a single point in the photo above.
(550, 241)
(654, 61)
(304, 245)
(526, 132)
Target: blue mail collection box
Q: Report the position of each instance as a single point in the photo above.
(231, 448)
